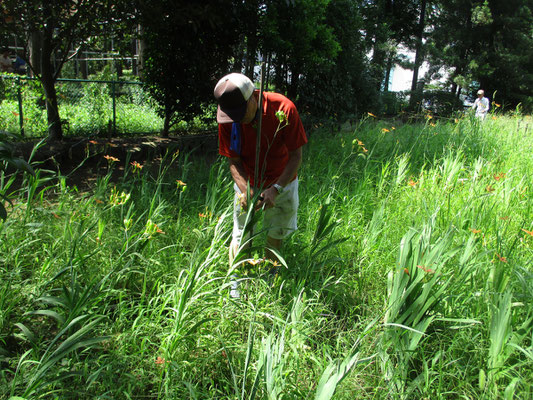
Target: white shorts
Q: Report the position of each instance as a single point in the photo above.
(278, 221)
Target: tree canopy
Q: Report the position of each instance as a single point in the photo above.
(332, 57)
(51, 30)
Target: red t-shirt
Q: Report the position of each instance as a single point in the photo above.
(274, 145)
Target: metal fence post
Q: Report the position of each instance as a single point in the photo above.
(21, 116)
(114, 108)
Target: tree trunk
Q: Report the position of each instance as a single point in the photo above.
(267, 70)
(166, 123)
(55, 132)
(239, 56)
(251, 52)
(278, 75)
(119, 67)
(378, 60)
(35, 53)
(453, 90)
(292, 90)
(381, 35)
(133, 49)
(141, 45)
(419, 55)
(387, 73)
(84, 66)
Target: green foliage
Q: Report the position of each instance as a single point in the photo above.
(181, 71)
(55, 29)
(441, 103)
(124, 288)
(337, 86)
(393, 103)
(86, 108)
(296, 44)
(9, 165)
(484, 42)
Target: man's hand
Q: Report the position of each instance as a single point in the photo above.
(269, 198)
(243, 199)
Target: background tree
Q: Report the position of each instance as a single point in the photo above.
(188, 47)
(486, 44)
(388, 24)
(505, 58)
(296, 38)
(58, 26)
(419, 55)
(340, 87)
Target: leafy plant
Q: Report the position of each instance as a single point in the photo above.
(7, 159)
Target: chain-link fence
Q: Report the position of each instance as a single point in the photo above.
(86, 107)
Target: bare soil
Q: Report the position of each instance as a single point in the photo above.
(83, 160)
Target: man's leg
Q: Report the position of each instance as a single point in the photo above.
(275, 244)
(280, 221)
(239, 219)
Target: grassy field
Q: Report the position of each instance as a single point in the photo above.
(410, 277)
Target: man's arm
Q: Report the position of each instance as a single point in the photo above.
(291, 169)
(240, 178)
(238, 173)
(288, 174)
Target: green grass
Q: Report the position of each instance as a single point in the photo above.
(410, 276)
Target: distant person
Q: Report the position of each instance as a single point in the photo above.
(6, 65)
(282, 138)
(19, 65)
(481, 105)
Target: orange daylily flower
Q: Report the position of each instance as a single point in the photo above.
(499, 176)
(475, 231)
(158, 229)
(207, 214)
(180, 183)
(502, 259)
(111, 158)
(412, 183)
(406, 271)
(530, 233)
(136, 165)
(384, 130)
(426, 269)
(93, 142)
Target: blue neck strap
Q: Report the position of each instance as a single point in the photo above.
(235, 142)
